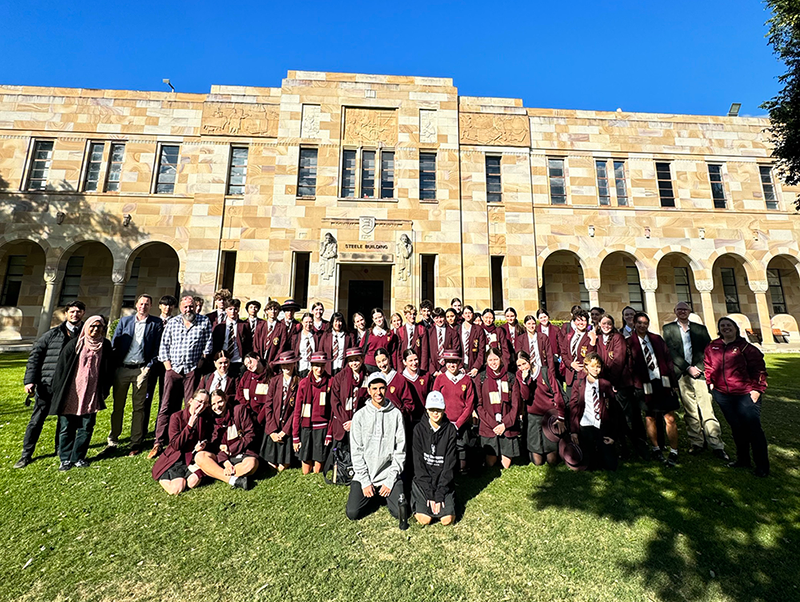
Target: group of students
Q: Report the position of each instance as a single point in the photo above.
(454, 390)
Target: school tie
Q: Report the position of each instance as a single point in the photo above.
(596, 400)
(231, 339)
(271, 328)
(574, 345)
(285, 388)
(441, 341)
(648, 357)
(252, 324)
(532, 346)
(410, 334)
(307, 351)
(335, 347)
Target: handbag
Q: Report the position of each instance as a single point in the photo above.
(341, 464)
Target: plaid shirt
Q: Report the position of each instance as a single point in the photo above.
(182, 346)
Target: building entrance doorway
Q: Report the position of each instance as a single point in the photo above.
(363, 287)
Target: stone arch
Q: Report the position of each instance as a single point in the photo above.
(566, 248)
(735, 268)
(645, 269)
(562, 271)
(94, 285)
(156, 273)
(23, 287)
(783, 289)
(748, 263)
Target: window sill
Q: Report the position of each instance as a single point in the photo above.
(352, 199)
(306, 198)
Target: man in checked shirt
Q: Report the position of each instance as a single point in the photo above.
(185, 342)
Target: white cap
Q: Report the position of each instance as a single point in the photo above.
(434, 401)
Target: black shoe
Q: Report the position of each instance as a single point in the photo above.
(737, 464)
(64, 466)
(761, 472)
(672, 459)
(696, 450)
(243, 483)
(720, 453)
(657, 455)
(81, 464)
(23, 462)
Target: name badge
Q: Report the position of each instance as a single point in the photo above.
(322, 398)
(665, 382)
(233, 433)
(262, 388)
(246, 393)
(648, 389)
(494, 397)
(306, 410)
(504, 386)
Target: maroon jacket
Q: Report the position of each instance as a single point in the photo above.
(215, 316)
(182, 440)
(546, 391)
(277, 413)
(460, 398)
(584, 347)
(615, 359)
(508, 405)
(348, 394)
(639, 371)
(371, 343)
(736, 368)
(236, 421)
(476, 354)
(398, 391)
(269, 344)
(230, 386)
(419, 343)
(577, 405)
(511, 336)
(496, 337)
(555, 336)
(293, 330)
(313, 407)
(451, 341)
(252, 391)
(243, 342)
(325, 344)
(419, 387)
(323, 327)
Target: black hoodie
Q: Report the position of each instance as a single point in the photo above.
(435, 458)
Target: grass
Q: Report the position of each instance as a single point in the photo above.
(109, 533)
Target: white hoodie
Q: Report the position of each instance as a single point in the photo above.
(378, 444)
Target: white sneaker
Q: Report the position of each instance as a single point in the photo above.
(112, 443)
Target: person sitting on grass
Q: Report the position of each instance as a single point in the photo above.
(228, 456)
(189, 430)
(435, 459)
(312, 416)
(378, 451)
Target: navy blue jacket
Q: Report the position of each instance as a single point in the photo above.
(123, 338)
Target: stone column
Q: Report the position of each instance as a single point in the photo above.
(51, 280)
(760, 288)
(705, 287)
(593, 286)
(118, 278)
(651, 307)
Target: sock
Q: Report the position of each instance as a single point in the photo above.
(232, 480)
(672, 450)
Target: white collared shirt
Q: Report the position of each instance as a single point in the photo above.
(338, 361)
(655, 374)
(686, 335)
(307, 347)
(135, 353)
(589, 418)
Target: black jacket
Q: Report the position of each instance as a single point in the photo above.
(65, 374)
(673, 337)
(44, 357)
(435, 458)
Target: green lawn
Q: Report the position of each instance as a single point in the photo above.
(698, 532)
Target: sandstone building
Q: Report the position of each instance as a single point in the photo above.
(372, 190)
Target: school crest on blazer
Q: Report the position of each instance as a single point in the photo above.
(463, 388)
(275, 341)
(391, 389)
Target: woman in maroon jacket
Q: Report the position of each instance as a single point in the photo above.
(512, 329)
(253, 385)
(219, 378)
(574, 347)
(498, 411)
(228, 455)
(277, 413)
(495, 337)
(189, 430)
(333, 343)
(379, 336)
(419, 383)
(553, 334)
(398, 391)
(736, 373)
(348, 394)
(310, 436)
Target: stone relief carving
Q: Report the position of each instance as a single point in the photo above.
(427, 126)
(51, 274)
(759, 286)
(118, 276)
(328, 252)
(649, 285)
(482, 128)
(592, 284)
(240, 119)
(704, 286)
(404, 251)
(309, 127)
(370, 126)
(366, 227)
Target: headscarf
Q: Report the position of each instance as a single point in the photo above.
(85, 340)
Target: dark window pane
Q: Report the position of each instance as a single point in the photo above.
(307, 175)
(387, 175)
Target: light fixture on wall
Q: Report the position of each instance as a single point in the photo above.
(126, 221)
(60, 217)
(734, 110)
(647, 232)
(755, 234)
(591, 231)
(702, 233)
(166, 81)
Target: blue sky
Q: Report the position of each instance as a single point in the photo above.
(679, 57)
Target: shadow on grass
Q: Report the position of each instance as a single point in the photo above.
(718, 531)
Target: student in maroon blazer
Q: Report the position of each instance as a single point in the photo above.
(277, 413)
(590, 422)
(460, 400)
(305, 344)
(398, 391)
(567, 328)
(312, 415)
(512, 329)
(219, 336)
(221, 297)
(419, 383)
(574, 348)
(320, 325)
(334, 342)
(289, 308)
(498, 411)
(348, 394)
(253, 322)
(495, 336)
(536, 396)
(380, 336)
(473, 343)
(553, 334)
(440, 337)
(271, 337)
(418, 339)
(220, 377)
(360, 331)
(189, 430)
(253, 386)
(228, 456)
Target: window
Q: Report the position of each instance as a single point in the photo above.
(115, 166)
(348, 173)
(767, 186)
(15, 270)
(497, 282)
(387, 175)
(717, 190)
(167, 169)
(729, 288)
(635, 292)
(368, 174)
(776, 291)
(227, 272)
(619, 180)
(70, 287)
(40, 165)
(583, 293)
(307, 174)
(427, 179)
(375, 171)
(494, 187)
(682, 287)
(602, 183)
(558, 187)
(238, 170)
(428, 276)
(302, 264)
(665, 192)
(92, 181)
(132, 285)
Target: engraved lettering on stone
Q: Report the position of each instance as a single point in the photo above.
(309, 127)
(480, 128)
(370, 126)
(328, 252)
(427, 126)
(404, 251)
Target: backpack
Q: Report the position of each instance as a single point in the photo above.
(340, 463)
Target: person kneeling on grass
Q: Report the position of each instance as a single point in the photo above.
(189, 430)
(378, 451)
(228, 457)
(435, 459)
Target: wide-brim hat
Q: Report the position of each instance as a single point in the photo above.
(571, 453)
(452, 354)
(549, 422)
(290, 305)
(353, 352)
(319, 357)
(285, 358)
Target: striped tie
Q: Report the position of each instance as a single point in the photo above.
(441, 341)
(648, 357)
(596, 400)
(335, 347)
(231, 339)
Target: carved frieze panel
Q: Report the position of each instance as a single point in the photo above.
(239, 119)
(491, 129)
(372, 127)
